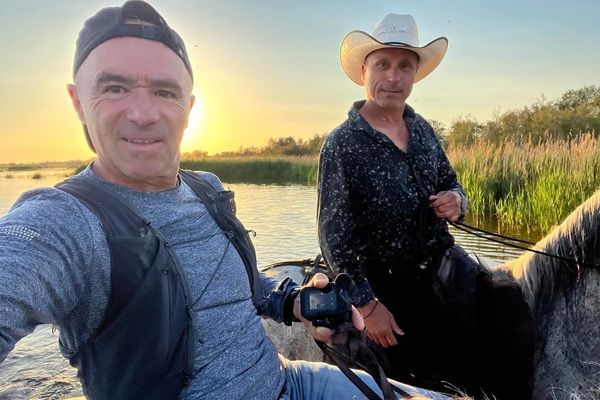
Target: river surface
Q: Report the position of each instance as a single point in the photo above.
(284, 220)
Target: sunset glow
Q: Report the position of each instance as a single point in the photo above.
(266, 69)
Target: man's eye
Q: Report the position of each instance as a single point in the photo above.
(114, 89)
(166, 94)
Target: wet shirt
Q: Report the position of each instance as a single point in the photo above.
(374, 217)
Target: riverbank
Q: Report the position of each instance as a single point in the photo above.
(40, 170)
(281, 170)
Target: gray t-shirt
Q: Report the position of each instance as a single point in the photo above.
(55, 268)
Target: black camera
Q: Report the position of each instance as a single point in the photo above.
(330, 306)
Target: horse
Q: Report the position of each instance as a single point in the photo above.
(561, 295)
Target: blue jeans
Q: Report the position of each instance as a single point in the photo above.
(319, 381)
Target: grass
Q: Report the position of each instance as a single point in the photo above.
(528, 185)
(302, 170)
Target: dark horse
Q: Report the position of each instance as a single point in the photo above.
(561, 298)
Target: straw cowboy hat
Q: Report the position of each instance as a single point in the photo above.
(395, 31)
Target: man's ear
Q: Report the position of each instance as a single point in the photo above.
(363, 71)
(72, 89)
(192, 102)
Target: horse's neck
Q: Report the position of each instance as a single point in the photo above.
(539, 275)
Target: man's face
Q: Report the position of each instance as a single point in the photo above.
(388, 76)
(134, 96)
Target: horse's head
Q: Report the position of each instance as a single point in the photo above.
(564, 297)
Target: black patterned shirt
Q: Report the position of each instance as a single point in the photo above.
(374, 217)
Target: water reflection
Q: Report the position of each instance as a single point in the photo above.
(12, 188)
(283, 217)
(490, 252)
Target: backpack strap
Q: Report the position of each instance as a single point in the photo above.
(221, 206)
(117, 220)
(114, 215)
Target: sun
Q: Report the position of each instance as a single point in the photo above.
(194, 130)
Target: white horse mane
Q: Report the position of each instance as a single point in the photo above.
(577, 238)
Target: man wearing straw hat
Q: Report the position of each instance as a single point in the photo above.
(386, 189)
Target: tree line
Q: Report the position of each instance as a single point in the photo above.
(287, 146)
(575, 113)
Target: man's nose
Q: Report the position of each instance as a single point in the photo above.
(393, 75)
(143, 109)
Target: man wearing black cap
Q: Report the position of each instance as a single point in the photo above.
(144, 268)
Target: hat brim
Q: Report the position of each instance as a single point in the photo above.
(357, 45)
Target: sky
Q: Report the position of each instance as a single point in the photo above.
(270, 68)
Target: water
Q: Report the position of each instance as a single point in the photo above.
(284, 218)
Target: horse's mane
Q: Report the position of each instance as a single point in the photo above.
(578, 238)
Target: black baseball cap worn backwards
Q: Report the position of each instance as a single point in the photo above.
(135, 18)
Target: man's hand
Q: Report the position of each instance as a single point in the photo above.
(446, 205)
(381, 324)
(321, 333)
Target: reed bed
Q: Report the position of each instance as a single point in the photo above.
(302, 170)
(528, 185)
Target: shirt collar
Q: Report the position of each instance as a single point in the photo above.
(359, 122)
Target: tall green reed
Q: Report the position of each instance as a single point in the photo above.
(528, 185)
